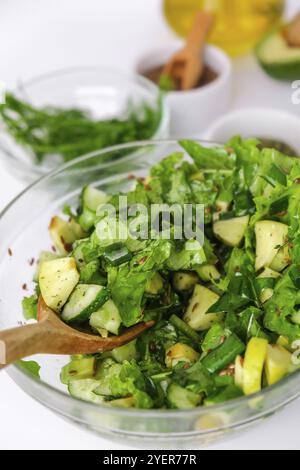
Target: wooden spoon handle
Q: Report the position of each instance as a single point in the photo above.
(44, 338)
(201, 28)
(21, 342)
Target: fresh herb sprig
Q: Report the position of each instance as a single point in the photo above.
(70, 133)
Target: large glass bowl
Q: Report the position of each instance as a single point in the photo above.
(23, 234)
(105, 93)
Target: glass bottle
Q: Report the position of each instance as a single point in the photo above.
(240, 24)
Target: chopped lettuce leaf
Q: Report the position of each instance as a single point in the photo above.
(30, 305)
(32, 367)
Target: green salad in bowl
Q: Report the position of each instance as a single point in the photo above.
(225, 304)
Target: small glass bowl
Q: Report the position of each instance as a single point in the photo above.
(24, 233)
(105, 93)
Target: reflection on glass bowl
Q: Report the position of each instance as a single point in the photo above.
(23, 230)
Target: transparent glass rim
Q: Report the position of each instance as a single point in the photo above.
(140, 413)
(23, 85)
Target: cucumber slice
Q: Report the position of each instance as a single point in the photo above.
(269, 237)
(117, 254)
(84, 390)
(201, 301)
(87, 219)
(85, 300)
(232, 231)
(92, 198)
(181, 398)
(83, 368)
(107, 318)
(57, 280)
(278, 59)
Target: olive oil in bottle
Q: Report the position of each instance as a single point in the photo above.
(240, 24)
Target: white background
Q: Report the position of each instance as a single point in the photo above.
(41, 35)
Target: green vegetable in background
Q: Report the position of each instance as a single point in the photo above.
(70, 133)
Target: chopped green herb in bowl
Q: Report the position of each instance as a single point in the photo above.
(67, 114)
(70, 133)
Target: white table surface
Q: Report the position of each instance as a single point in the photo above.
(39, 35)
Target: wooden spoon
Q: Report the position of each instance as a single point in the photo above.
(186, 66)
(51, 336)
(291, 32)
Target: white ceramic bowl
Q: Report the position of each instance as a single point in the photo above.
(193, 111)
(257, 122)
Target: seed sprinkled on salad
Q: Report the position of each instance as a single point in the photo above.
(226, 309)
